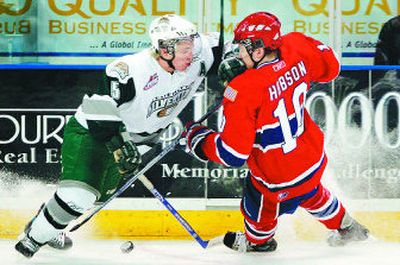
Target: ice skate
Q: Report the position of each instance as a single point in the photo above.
(237, 241)
(61, 241)
(27, 246)
(351, 231)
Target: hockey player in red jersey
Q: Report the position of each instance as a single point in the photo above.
(267, 126)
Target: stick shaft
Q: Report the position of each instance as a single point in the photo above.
(146, 182)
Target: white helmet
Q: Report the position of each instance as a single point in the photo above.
(167, 30)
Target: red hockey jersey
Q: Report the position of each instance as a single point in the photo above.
(267, 125)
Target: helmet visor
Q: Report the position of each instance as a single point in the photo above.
(165, 44)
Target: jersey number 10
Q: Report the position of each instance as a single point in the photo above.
(287, 123)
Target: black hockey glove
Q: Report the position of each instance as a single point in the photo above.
(229, 69)
(125, 152)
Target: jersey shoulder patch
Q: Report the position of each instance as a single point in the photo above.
(119, 69)
(246, 87)
(120, 84)
(122, 69)
(230, 93)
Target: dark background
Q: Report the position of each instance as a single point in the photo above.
(64, 89)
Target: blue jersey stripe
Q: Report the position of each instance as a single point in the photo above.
(258, 234)
(227, 157)
(329, 210)
(274, 136)
(306, 178)
(309, 176)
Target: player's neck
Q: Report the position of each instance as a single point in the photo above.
(270, 57)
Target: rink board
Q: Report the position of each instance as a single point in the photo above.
(381, 217)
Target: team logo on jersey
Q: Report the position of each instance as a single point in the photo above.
(167, 111)
(122, 69)
(165, 104)
(283, 195)
(278, 66)
(230, 93)
(152, 82)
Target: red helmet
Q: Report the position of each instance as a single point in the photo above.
(259, 29)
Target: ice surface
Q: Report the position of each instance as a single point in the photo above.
(291, 250)
(107, 252)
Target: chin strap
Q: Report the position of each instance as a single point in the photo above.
(250, 50)
(171, 51)
(169, 62)
(257, 63)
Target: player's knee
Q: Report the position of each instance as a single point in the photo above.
(77, 198)
(67, 204)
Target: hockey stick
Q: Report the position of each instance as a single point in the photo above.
(133, 177)
(204, 243)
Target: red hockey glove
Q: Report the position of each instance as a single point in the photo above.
(195, 135)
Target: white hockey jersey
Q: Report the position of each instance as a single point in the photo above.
(159, 96)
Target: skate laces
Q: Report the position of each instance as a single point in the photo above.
(59, 240)
(240, 242)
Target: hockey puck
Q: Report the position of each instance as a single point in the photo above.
(127, 247)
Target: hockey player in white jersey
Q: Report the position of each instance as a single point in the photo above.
(104, 139)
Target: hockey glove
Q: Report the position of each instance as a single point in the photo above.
(229, 69)
(194, 138)
(125, 152)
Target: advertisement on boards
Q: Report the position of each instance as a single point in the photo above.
(69, 31)
(18, 30)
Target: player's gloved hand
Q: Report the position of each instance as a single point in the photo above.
(195, 136)
(182, 144)
(229, 69)
(125, 152)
